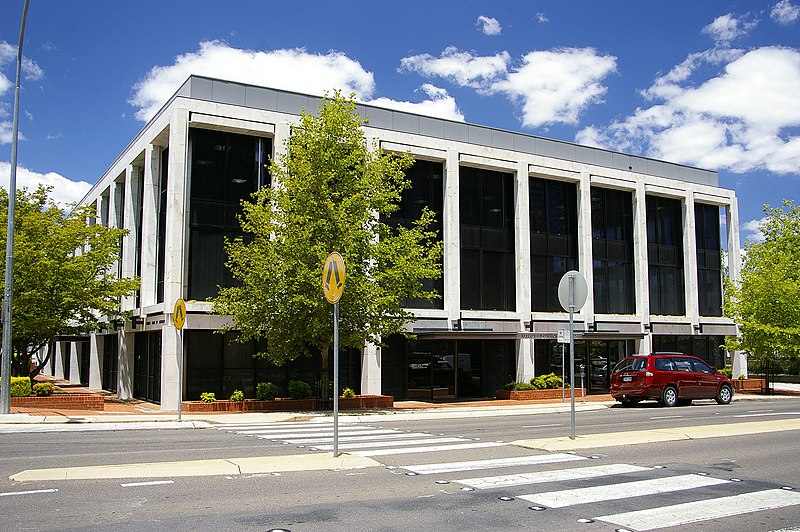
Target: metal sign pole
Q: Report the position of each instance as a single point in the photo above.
(563, 369)
(180, 371)
(571, 358)
(336, 379)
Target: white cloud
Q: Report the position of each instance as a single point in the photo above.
(542, 18)
(8, 57)
(440, 104)
(785, 13)
(752, 231)
(557, 85)
(462, 68)
(552, 86)
(287, 69)
(64, 192)
(488, 25)
(726, 28)
(742, 119)
(5, 132)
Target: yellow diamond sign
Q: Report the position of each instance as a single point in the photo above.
(179, 314)
(333, 277)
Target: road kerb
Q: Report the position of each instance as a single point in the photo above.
(612, 439)
(197, 468)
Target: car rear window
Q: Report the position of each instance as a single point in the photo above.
(631, 364)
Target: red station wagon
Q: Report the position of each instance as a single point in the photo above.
(669, 378)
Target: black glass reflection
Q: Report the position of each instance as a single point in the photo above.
(665, 256)
(709, 263)
(612, 251)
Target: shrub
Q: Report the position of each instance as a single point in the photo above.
(266, 391)
(547, 382)
(299, 390)
(208, 397)
(348, 393)
(43, 389)
(727, 371)
(742, 377)
(20, 387)
(237, 396)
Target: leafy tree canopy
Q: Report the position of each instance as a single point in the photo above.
(329, 187)
(766, 303)
(63, 280)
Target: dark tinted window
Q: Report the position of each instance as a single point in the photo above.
(631, 364)
(664, 364)
(682, 364)
(701, 366)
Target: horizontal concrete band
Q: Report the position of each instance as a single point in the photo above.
(611, 439)
(191, 468)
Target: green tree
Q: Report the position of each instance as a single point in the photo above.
(766, 303)
(62, 273)
(329, 187)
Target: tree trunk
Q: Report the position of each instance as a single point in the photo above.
(326, 376)
(41, 366)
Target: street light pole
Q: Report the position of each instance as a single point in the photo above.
(8, 289)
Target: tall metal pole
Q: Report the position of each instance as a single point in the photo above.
(571, 358)
(8, 289)
(180, 372)
(336, 379)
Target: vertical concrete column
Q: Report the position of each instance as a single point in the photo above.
(131, 212)
(690, 261)
(176, 242)
(371, 369)
(96, 348)
(525, 357)
(125, 350)
(280, 141)
(738, 358)
(58, 353)
(585, 243)
(640, 263)
(452, 238)
(149, 224)
(74, 362)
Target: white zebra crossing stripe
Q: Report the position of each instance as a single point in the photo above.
(427, 449)
(329, 433)
(698, 511)
(399, 436)
(624, 490)
(377, 444)
(559, 475)
(475, 465)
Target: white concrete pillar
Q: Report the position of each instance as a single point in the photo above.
(640, 263)
(690, 261)
(74, 362)
(149, 225)
(522, 243)
(176, 237)
(371, 369)
(170, 341)
(738, 358)
(525, 358)
(645, 345)
(585, 259)
(125, 352)
(59, 354)
(96, 349)
(452, 238)
(131, 211)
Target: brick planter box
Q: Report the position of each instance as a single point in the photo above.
(748, 385)
(366, 402)
(66, 401)
(532, 395)
(216, 406)
(280, 405)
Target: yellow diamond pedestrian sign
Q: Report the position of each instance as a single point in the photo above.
(333, 277)
(179, 314)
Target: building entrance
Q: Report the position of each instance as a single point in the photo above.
(603, 355)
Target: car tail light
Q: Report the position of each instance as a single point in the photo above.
(648, 378)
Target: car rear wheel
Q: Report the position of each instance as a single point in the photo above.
(669, 397)
(724, 395)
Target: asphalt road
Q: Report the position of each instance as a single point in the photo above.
(718, 475)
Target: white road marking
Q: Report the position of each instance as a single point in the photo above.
(695, 512)
(151, 483)
(625, 490)
(384, 452)
(540, 426)
(374, 444)
(329, 432)
(665, 417)
(559, 475)
(474, 465)
(30, 492)
(398, 436)
(763, 414)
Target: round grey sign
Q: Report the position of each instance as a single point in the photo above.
(579, 290)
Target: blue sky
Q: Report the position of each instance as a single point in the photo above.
(710, 84)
